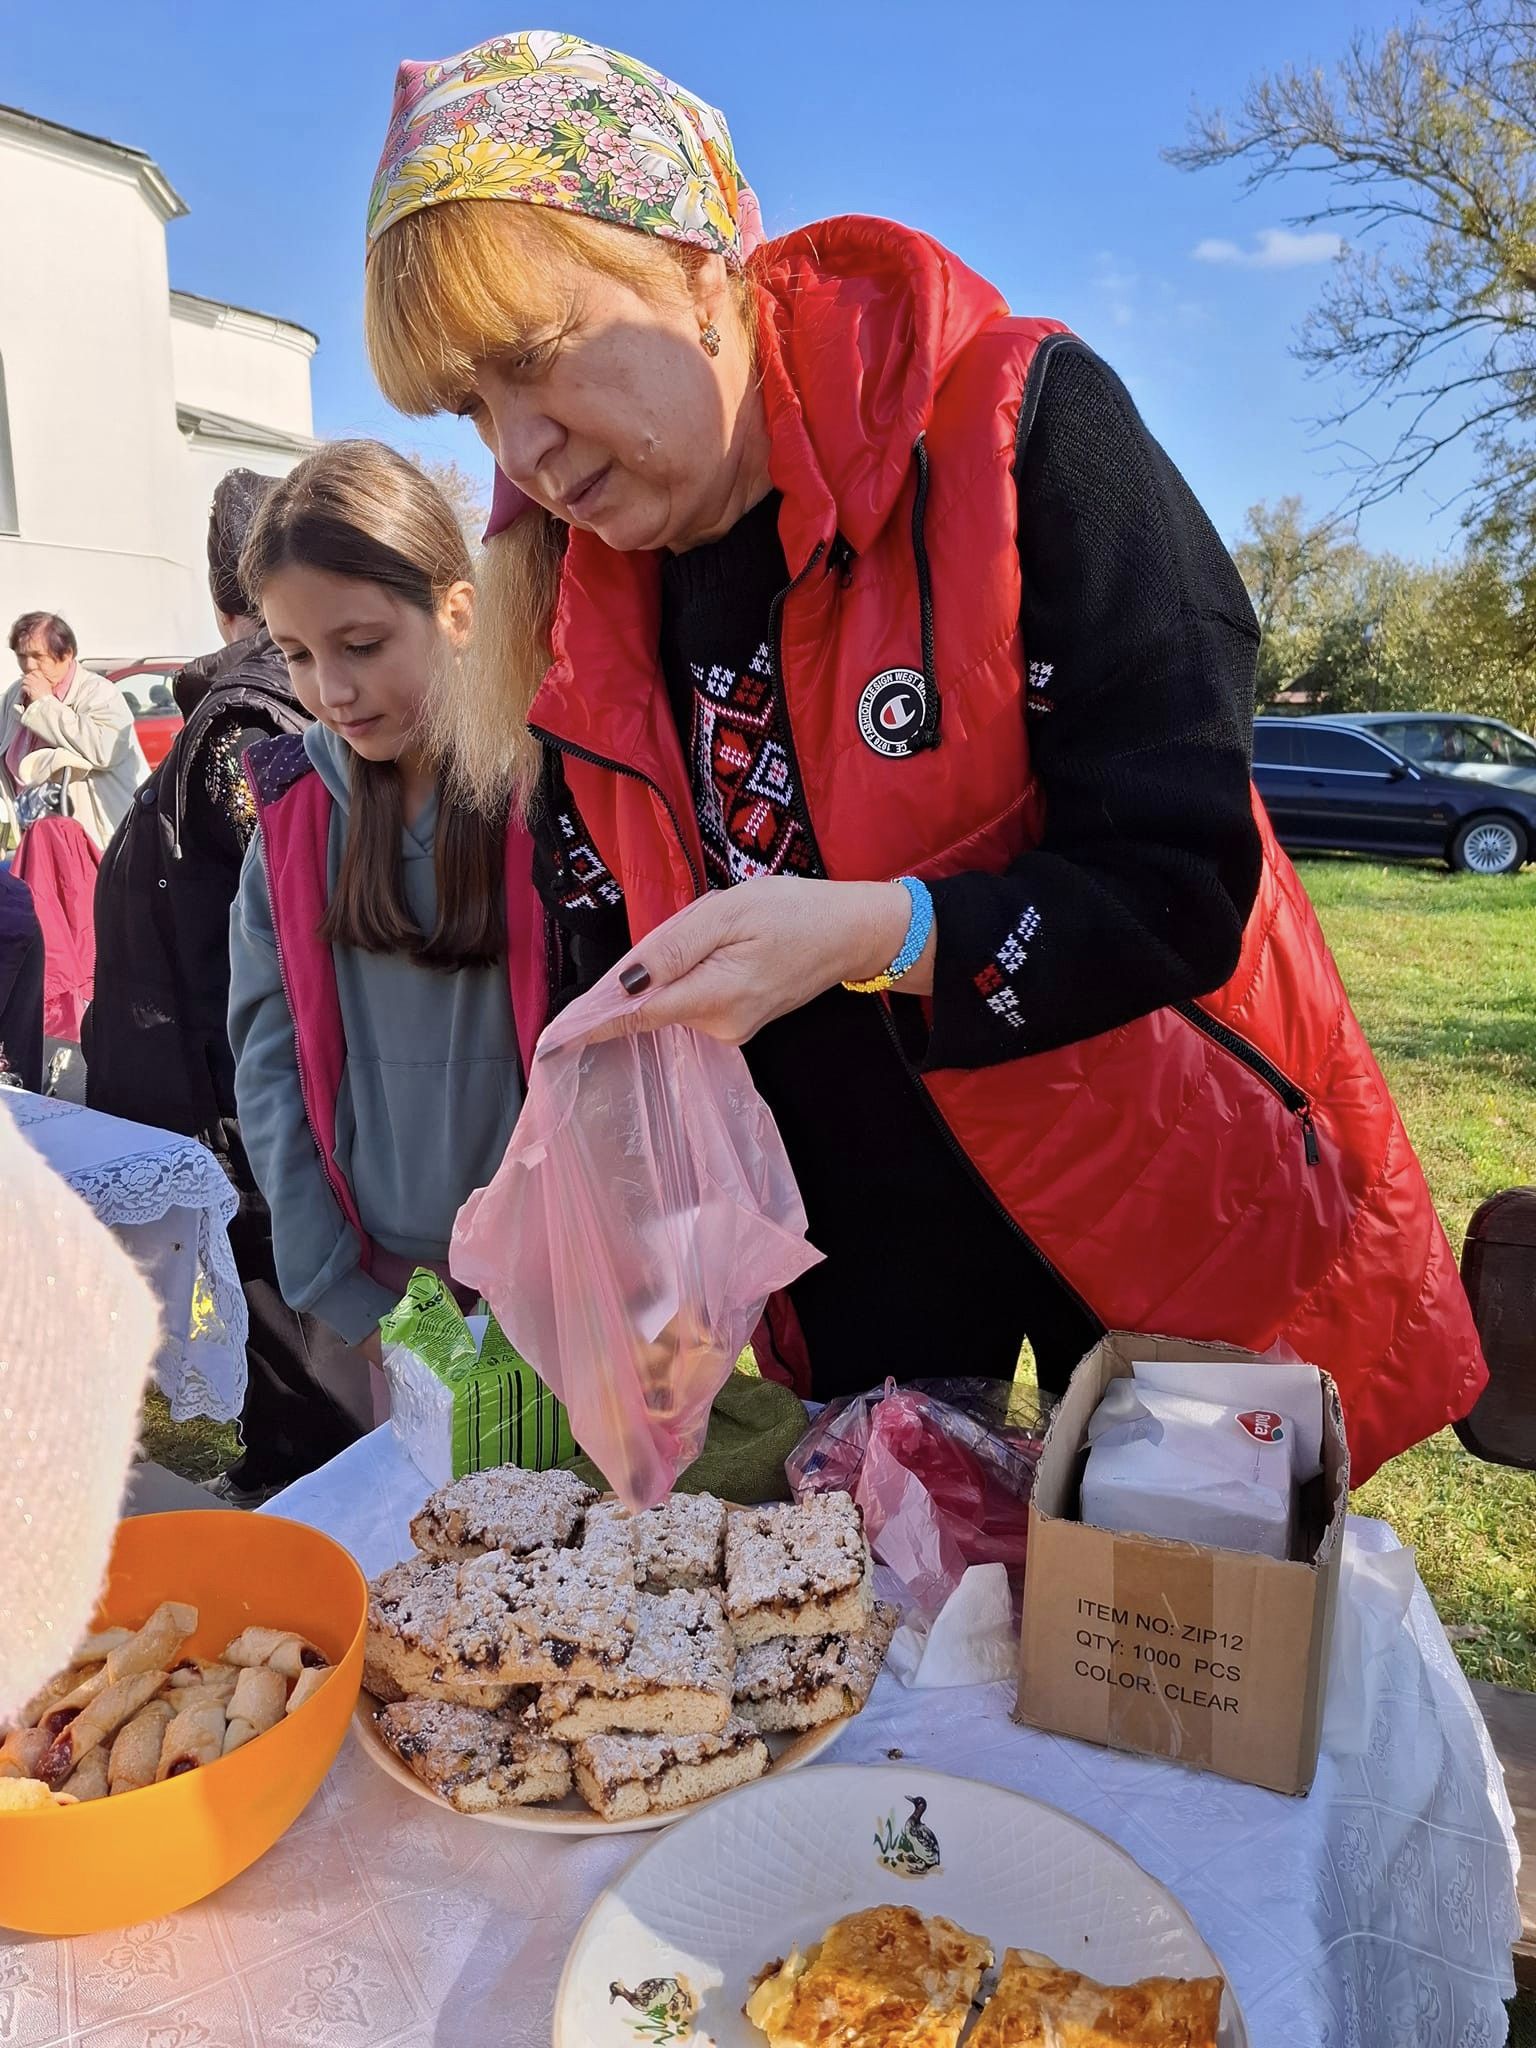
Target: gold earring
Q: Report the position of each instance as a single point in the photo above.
(709, 339)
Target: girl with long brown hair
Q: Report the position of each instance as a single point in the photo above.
(386, 949)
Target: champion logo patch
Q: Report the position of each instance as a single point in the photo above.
(891, 711)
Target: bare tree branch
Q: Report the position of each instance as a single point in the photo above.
(1423, 142)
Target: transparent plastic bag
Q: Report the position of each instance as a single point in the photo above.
(642, 1216)
(943, 1470)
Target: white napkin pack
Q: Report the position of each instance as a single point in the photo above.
(1205, 1454)
(972, 1640)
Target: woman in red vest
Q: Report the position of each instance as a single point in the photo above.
(883, 701)
(386, 947)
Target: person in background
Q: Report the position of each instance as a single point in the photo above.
(21, 987)
(67, 744)
(387, 949)
(887, 701)
(157, 1034)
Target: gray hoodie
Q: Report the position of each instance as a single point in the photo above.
(429, 1094)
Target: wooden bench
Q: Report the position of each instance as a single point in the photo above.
(1511, 1718)
(1498, 1270)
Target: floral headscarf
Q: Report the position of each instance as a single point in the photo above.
(557, 121)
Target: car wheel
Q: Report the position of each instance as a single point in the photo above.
(1489, 846)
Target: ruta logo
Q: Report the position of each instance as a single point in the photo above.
(1264, 1427)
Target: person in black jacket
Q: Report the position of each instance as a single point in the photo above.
(21, 987)
(157, 1035)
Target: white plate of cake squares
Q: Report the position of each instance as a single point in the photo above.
(546, 1660)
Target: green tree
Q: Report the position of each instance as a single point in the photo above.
(1420, 145)
(1346, 630)
(1457, 640)
(1310, 589)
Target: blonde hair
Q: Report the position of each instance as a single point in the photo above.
(446, 288)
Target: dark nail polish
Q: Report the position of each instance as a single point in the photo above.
(635, 979)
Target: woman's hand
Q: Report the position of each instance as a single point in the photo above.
(736, 959)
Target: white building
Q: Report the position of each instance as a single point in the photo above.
(122, 402)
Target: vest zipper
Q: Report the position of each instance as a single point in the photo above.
(927, 734)
(577, 753)
(786, 724)
(978, 1178)
(1296, 1099)
(548, 739)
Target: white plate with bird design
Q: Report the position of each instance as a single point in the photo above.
(669, 1953)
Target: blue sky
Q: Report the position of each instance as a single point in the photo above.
(1025, 135)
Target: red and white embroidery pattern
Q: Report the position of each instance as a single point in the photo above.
(583, 882)
(743, 780)
(996, 982)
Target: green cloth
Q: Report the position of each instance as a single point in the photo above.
(753, 1426)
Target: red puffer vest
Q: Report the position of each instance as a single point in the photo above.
(293, 809)
(1234, 1171)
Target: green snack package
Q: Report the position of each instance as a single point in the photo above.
(508, 1415)
(458, 1407)
(429, 1322)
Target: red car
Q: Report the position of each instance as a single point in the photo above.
(146, 683)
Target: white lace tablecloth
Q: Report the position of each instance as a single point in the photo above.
(1376, 1913)
(168, 1202)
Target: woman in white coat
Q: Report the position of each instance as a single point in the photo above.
(67, 743)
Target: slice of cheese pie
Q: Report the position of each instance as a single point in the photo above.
(1039, 2005)
(886, 1978)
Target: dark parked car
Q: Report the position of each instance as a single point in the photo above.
(1330, 783)
(1485, 748)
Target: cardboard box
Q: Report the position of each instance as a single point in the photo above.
(1209, 1657)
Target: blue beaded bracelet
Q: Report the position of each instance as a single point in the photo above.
(918, 928)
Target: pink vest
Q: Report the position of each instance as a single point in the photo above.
(295, 822)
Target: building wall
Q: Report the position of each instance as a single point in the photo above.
(85, 338)
(204, 464)
(243, 364)
(111, 495)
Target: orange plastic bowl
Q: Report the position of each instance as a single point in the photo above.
(112, 1862)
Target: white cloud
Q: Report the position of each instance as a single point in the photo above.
(1275, 249)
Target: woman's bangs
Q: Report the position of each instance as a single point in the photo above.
(445, 288)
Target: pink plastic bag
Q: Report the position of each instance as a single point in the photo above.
(943, 1472)
(642, 1216)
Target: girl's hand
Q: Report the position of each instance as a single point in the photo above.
(736, 959)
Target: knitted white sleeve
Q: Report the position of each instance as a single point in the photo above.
(78, 1328)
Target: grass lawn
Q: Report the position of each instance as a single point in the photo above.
(1442, 969)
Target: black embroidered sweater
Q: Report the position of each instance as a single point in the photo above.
(1140, 644)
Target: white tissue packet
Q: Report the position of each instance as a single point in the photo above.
(1164, 1463)
(1293, 1391)
(972, 1639)
(421, 1414)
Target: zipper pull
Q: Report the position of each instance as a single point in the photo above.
(1309, 1136)
(840, 558)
